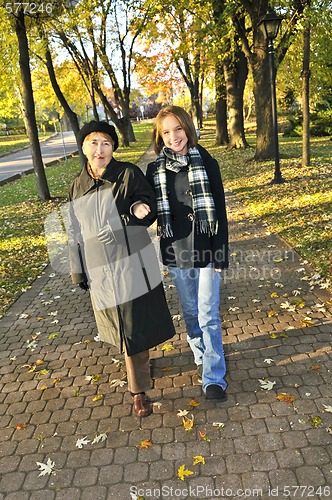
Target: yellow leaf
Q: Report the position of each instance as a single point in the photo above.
(315, 368)
(145, 443)
(273, 336)
(307, 322)
(96, 377)
(42, 372)
(272, 313)
(299, 303)
(188, 423)
(183, 472)
(167, 369)
(167, 347)
(274, 295)
(39, 362)
(316, 422)
(43, 387)
(57, 379)
(193, 403)
(198, 459)
(53, 336)
(288, 398)
(97, 398)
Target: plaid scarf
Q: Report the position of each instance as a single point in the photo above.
(203, 203)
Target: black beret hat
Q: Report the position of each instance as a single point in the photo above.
(95, 126)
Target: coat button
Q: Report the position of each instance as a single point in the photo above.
(191, 217)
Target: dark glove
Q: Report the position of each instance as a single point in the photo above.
(106, 234)
(84, 285)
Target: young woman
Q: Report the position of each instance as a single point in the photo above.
(193, 230)
(111, 205)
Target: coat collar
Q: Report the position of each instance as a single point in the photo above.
(85, 183)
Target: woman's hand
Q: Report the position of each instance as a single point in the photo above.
(141, 210)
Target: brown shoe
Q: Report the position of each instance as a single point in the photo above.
(142, 405)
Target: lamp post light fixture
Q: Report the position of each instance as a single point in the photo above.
(271, 24)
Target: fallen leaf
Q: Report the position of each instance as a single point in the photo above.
(117, 383)
(182, 413)
(167, 369)
(176, 317)
(193, 403)
(42, 372)
(274, 295)
(100, 438)
(218, 424)
(56, 380)
(146, 443)
(97, 398)
(272, 313)
(167, 347)
(327, 408)
(53, 336)
(288, 398)
(268, 361)
(19, 427)
(188, 423)
(315, 368)
(266, 384)
(306, 322)
(198, 459)
(82, 442)
(183, 472)
(43, 387)
(47, 468)
(316, 422)
(204, 436)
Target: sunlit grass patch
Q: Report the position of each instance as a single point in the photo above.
(299, 210)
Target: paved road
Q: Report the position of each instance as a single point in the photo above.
(52, 149)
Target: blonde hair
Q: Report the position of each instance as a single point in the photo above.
(185, 121)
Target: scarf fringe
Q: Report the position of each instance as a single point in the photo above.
(165, 231)
(205, 226)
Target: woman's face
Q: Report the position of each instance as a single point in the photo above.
(173, 135)
(98, 149)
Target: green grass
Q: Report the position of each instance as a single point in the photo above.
(10, 143)
(300, 210)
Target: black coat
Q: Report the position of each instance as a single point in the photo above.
(187, 247)
(124, 276)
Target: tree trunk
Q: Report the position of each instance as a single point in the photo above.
(236, 72)
(305, 96)
(29, 107)
(71, 115)
(221, 105)
(263, 104)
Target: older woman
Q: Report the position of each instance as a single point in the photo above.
(112, 254)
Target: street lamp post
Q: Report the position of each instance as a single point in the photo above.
(271, 24)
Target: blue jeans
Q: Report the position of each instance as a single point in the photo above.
(199, 293)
